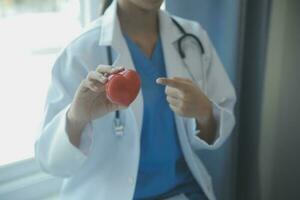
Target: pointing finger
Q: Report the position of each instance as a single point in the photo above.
(172, 83)
(173, 101)
(173, 92)
(186, 80)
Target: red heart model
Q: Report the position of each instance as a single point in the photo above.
(123, 87)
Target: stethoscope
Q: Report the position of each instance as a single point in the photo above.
(118, 126)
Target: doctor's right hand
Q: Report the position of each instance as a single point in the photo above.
(90, 101)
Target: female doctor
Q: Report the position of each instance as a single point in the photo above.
(149, 150)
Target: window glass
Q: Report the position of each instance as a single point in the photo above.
(32, 32)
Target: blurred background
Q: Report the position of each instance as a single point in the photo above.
(259, 44)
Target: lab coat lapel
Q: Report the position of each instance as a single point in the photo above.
(111, 35)
(173, 62)
(175, 65)
(170, 34)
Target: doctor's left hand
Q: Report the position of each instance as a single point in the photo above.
(186, 99)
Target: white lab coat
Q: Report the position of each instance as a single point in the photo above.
(105, 166)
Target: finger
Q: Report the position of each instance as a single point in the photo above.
(174, 102)
(91, 85)
(173, 92)
(96, 76)
(104, 68)
(107, 69)
(175, 109)
(87, 85)
(172, 83)
(117, 70)
(185, 80)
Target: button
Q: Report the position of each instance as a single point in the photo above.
(131, 180)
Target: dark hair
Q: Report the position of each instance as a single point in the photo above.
(104, 5)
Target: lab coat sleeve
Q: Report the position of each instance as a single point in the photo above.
(221, 93)
(53, 149)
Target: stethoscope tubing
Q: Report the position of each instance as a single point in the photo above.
(118, 126)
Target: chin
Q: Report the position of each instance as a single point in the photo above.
(149, 5)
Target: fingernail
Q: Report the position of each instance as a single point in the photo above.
(159, 81)
(118, 68)
(103, 79)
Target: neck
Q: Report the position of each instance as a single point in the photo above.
(137, 21)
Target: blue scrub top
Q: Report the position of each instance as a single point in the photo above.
(163, 171)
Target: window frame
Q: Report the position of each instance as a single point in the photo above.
(25, 180)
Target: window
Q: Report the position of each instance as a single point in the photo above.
(31, 34)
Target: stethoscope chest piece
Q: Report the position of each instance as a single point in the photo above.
(118, 127)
